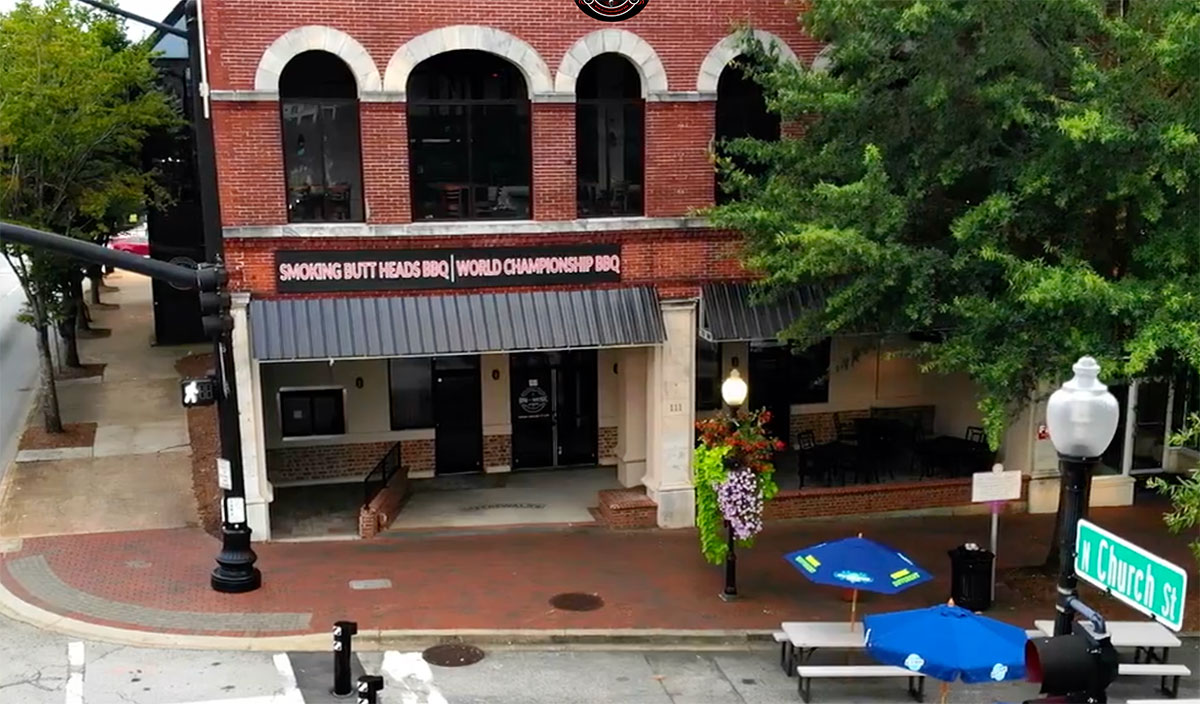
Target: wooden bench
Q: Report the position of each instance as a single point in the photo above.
(1160, 670)
(808, 673)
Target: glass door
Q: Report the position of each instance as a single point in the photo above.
(532, 388)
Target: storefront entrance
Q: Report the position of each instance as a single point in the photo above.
(771, 385)
(458, 415)
(554, 409)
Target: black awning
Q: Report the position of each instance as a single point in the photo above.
(728, 315)
(424, 326)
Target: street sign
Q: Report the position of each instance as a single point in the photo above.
(197, 392)
(1142, 580)
(224, 473)
(996, 485)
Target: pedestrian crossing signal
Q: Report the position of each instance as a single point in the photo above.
(196, 392)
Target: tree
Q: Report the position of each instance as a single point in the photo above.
(1019, 181)
(1185, 493)
(76, 101)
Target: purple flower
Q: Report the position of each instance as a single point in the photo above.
(741, 502)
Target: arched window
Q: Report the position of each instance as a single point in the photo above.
(742, 112)
(318, 100)
(609, 137)
(468, 138)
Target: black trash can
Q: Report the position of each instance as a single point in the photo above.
(971, 577)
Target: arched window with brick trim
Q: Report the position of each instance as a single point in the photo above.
(322, 155)
(469, 138)
(609, 137)
(741, 112)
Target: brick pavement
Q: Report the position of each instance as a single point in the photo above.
(158, 580)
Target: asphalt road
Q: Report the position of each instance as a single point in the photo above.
(18, 365)
(36, 668)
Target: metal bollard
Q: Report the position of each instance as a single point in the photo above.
(368, 689)
(343, 632)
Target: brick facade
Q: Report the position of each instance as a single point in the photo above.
(673, 43)
(607, 445)
(342, 462)
(497, 451)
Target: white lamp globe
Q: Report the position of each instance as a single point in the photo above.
(1082, 415)
(734, 390)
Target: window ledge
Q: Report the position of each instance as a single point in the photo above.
(466, 228)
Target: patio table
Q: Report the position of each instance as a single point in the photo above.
(1144, 636)
(807, 636)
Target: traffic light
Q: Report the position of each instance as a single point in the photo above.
(1074, 668)
(215, 319)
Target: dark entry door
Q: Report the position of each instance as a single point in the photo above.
(576, 407)
(554, 409)
(458, 415)
(532, 394)
(769, 386)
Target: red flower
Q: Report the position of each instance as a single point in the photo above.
(778, 444)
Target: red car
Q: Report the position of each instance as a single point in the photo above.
(132, 242)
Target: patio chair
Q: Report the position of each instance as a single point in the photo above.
(806, 454)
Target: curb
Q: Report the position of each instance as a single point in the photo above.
(376, 639)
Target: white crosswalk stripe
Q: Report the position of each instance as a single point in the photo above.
(76, 659)
(409, 675)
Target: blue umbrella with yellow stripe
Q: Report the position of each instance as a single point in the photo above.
(858, 563)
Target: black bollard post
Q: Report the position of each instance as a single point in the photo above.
(368, 689)
(343, 632)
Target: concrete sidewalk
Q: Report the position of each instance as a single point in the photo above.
(136, 475)
(496, 586)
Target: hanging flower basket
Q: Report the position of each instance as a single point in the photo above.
(733, 479)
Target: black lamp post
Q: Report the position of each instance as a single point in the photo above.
(1082, 419)
(733, 392)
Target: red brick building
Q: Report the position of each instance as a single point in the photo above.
(465, 239)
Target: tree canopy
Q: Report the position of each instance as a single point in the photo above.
(1022, 178)
(76, 102)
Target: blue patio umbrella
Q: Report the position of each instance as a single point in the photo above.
(948, 643)
(858, 563)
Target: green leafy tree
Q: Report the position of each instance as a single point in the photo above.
(1018, 180)
(1021, 176)
(1185, 492)
(76, 102)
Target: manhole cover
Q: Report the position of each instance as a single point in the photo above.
(452, 655)
(574, 601)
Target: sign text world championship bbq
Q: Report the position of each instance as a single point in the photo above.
(313, 271)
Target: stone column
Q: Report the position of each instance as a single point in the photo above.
(631, 415)
(259, 492)
(671, 410)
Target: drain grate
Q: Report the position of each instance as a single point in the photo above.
(452, 655)
(576, 601)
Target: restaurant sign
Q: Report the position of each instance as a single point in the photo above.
(313, 271)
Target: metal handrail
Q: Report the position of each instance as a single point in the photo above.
(388, 465)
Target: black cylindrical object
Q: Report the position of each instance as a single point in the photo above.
(369, 687)
(343, 634)
(971, 578)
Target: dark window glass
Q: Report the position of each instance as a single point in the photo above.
(808, 373)
(708, 375)
(411, 383)
(306, 412)
(742, 112)
(321, 152)
(802, 374)
(609, 138)
(469, 139)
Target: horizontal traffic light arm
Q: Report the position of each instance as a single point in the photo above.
(174, 274)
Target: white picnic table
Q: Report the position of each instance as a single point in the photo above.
(807, 636)
(1144, 636)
